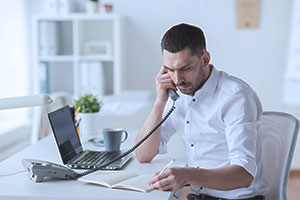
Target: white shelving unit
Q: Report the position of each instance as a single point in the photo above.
(66, 60)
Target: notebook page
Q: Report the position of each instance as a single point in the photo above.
(138, 183)
(107, 178)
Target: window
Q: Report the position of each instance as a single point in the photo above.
(13, 63)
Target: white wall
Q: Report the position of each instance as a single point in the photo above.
(258, 55)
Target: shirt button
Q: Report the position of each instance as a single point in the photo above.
(192, 145)
(187, 122)
(194, 100)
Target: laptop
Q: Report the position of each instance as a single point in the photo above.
(70, 148)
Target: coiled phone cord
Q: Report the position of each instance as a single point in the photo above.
(133, 147)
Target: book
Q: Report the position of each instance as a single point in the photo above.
(97, 78)
(120, 180)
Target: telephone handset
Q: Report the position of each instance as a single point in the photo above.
(38, 169)
(172, 94)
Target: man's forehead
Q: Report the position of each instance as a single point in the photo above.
(178, 61)
(186, 51)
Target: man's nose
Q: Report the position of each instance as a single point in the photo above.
(177, 78)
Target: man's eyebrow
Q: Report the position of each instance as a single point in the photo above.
(179, 68)
(167, 67)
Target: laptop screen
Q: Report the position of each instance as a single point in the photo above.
(65, 133)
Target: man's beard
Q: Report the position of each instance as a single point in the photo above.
(189, 90)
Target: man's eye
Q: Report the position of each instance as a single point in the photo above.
(186, 69)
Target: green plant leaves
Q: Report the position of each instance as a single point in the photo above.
(88, 104)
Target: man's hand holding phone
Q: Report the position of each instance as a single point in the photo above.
(163, 82)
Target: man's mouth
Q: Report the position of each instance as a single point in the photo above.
(183, 86)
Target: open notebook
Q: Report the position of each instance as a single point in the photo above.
(120, 180)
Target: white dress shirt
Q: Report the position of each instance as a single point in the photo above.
(219, 127)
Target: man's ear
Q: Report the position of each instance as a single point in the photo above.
(206, 58)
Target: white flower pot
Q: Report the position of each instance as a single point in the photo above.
(89, 126)
(91, 7)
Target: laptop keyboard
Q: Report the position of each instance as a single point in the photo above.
(96, 158)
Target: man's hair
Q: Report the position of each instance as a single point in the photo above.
(182, 36)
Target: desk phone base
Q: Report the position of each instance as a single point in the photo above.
(39, 169)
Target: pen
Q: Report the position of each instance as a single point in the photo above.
(167, 166)
(76, 113)
(77, 122)
(78, 133)
(77, 126)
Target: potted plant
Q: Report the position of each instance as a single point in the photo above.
(89, 108)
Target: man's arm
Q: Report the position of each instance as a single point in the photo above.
(149, 149)
(225, 178)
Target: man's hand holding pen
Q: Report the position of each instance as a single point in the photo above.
(172, 179)
(169, 178)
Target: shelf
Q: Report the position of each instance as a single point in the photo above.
(57, 58)
(71, 47)
(105, 58)
(77, 16)
(55, 38)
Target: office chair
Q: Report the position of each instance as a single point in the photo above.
(279, 133)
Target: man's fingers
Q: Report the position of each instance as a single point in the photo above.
(161, 184)
(156, 173)
(168, 180)
(167, 187)
(163, 70)
(166, 80)
(166, 83)
(162, 76)
(157, 177)
(165, 184)
(154, 179)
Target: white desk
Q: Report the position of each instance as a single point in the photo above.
(20, 187)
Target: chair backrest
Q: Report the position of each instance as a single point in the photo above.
(279, 133)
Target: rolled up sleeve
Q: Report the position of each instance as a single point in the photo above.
(242, 118)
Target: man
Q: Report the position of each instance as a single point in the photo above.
(217, 116)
